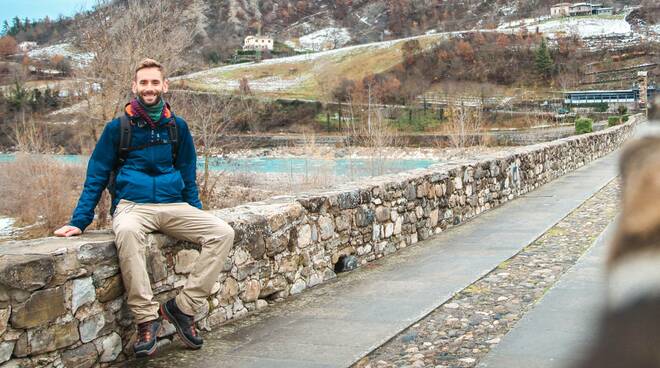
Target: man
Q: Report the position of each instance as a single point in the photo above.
(155, 190)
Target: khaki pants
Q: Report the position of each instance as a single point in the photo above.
(131, 223)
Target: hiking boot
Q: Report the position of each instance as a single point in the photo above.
(185, 324)
(146, 338)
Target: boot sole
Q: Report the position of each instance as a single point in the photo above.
(170, 318)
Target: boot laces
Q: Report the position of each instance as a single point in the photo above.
(144, 331)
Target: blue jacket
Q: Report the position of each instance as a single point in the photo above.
(147, 175)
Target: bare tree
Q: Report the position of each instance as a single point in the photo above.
(209, 117)
(121, 33)
(464, 122)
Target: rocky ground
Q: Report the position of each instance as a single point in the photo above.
(315, 150)
(464, 329)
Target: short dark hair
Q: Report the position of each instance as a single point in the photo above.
(149, 63)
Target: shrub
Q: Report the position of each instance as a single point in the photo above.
(613, 120)
(601, 107)
(39, 191)
(622, 109)
(624, 118)
(583, 125)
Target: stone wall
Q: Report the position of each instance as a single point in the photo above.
(62, 303)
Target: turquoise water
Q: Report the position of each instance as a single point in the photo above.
(286, 165)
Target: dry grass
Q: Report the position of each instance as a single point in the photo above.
(319, 75)
(39, 192)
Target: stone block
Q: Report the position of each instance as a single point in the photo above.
(410, 191)
(289, 264)
(109, 347)
(246, 270)
(110, 289)
(276, 244)
(314, 279)
(364, 217)
(4, 318)
(389, 229)
(348, 200)
(54, 337)
(256, 246)
(382, 214)
(272, 286)
(185, 261)
(156, 263)
(83, 292)
(6, 348)
(276, 221)
(433, 217)
(312, 203)
(304, 235)
(90, 327)
(26, 272)
(375, 232)
(397, 226)
(95, 253)
(84, 356)
(229, 291)
(457, 183)
(103, 272)
(423, 190)
(68, 267)
(252, 290)
(42, 307)
(298, 286)
(343, 222)
(327, 226)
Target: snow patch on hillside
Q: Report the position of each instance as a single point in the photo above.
(324, 39)
(65, 49)
(585, 27)
(6, 226)
(267, 84)
(323, 55)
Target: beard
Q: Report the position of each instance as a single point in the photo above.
(156, 101)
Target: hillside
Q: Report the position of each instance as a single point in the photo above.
(224, 24)
(219, 27)
(315, 76)
(309, 76)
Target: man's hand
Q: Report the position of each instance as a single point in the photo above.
(67, 231)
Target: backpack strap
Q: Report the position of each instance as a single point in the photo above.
(174, 138)
(124, 138)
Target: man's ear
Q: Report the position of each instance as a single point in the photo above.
(134, 87)
(166, 86)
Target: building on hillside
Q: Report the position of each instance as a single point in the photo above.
(258, 43)
(634, 96)
(578, 9)
(602, 10)
(560, 10)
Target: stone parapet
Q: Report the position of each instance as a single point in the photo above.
(62, 300)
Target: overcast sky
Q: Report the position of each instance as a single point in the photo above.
(38, 9)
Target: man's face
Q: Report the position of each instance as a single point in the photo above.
(149, 85)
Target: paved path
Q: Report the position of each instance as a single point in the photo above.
(335, 324)
(558, 330)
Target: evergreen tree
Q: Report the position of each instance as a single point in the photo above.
(5, 28)
(543, 61)
(15, 26)
(26, 24)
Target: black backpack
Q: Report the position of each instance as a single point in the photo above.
(124, 148)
